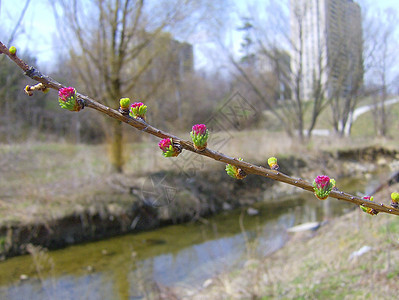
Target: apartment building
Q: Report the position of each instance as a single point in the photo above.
(326, 38)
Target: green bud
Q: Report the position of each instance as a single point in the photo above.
(235, 172)
(12, 50)
(138, 110)
(272, 162)
(124, 103)
(395, 197)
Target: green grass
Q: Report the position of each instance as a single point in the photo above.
(2, 243)
(363, 127)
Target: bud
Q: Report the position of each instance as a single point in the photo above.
(333, 183)
(37, 87)
(395, 200)
(199, 135)
(124, 103)
(272, 162)
(322, 186)
(368, 210)
(67, 99)
(235, 172)
(28, 90)
(169, 149)
(12, 50)
(138, 110)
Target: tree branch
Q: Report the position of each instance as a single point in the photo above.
(187, 145)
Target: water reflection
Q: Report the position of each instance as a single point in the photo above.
(134, 266)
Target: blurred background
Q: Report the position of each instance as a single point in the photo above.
(293, 62)
(313, 82)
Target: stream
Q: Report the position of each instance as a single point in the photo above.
(134, 266)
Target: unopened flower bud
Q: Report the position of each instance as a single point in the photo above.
(235, 172)
(67, 99)
(395, 200)
(28, 90)
(12, 50)
(138, 110)
(368, 210)
(322, 186)
(199, 136)
(169, 149)
(124, 103)
(272, 162)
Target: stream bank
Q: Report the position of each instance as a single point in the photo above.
(133, 204)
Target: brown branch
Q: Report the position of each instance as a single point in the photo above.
(187, 145)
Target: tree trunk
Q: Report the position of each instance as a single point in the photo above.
(116, 142)
(301, 128)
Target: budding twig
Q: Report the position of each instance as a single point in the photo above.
(142, 125)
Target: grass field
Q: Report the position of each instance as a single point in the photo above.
(364, 126)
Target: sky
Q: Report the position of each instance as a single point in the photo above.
(39, 28)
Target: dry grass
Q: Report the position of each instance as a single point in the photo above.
(47, 181)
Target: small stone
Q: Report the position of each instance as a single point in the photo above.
(207, 283)
(252, 211)
(382, 161)
(90, 269)
(24, 277)
(226, 206)
(313, 226)
(363, 250)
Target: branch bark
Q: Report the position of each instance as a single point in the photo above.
(249, 168)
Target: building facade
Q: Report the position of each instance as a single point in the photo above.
(326, 37)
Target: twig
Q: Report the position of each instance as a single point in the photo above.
(187, 145)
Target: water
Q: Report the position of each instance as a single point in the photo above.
(134, 266)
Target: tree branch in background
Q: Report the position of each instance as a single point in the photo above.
(242, 166)
(18, 24)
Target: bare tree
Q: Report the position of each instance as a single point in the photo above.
(325, 67)
(382, 63)
(279, 85)
(10, 79)
(116, 46)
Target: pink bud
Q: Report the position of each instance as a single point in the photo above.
(164, 144)
(137, 104)
(66, 93)
(199, 129)
(322, 181)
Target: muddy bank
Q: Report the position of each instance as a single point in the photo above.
(131, 204)
(147, 202)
